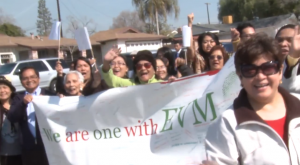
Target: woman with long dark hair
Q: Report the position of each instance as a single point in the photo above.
(206, 41)
(169, 55)
(198, 54)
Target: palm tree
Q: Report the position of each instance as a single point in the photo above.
(153, 9)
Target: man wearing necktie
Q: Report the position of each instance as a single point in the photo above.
(33, 150)
(179, 52)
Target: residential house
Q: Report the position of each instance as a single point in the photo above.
(128, 39)
(23, 48)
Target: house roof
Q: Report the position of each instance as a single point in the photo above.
(275, 21)
(123, 33)
(37, 43)
(5, 41)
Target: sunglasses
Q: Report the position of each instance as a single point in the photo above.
(219, 57)
(268, 68)
(140, 66)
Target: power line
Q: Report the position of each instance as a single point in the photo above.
(87, 4)
(70, 10)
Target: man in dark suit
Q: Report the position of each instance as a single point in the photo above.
(33, 150)
(179, 51)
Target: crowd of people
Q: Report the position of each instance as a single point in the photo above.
(262, 126)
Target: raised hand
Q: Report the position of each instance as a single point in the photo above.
(27, 99)
(235, 35)
(112, 54)
(59, 68)
(190, 18)
(295, 52)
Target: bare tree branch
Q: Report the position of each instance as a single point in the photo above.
(74, 24)
(128, 19)
(5, 18)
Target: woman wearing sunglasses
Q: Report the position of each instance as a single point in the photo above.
(217, 58)
(263, 125)
(144, 66)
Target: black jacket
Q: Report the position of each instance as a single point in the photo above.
(18, 114)
(181, 54)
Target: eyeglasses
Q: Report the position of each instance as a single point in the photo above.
(29, 78)
(219, 57)
(160, 67)
(140, 66)
(268, 68)
(117, 63)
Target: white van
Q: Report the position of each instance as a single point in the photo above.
(45, 67)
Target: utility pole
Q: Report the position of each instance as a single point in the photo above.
(207, 12)
(59, 18)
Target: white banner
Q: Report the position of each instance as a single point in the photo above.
(138, 125)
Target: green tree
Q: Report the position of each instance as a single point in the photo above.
(11, 30)
(243, 10)
(44, 21)
(165, 28)
(153, 9)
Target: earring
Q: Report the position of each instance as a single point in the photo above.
(80, 89)
(280, 81)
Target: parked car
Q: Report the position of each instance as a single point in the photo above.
(45, 67)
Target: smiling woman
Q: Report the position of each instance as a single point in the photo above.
(92, 80)
(144, 67)
(161, 68)
(119, 66)
(73, 83)
(217, 58)
(262, 110)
